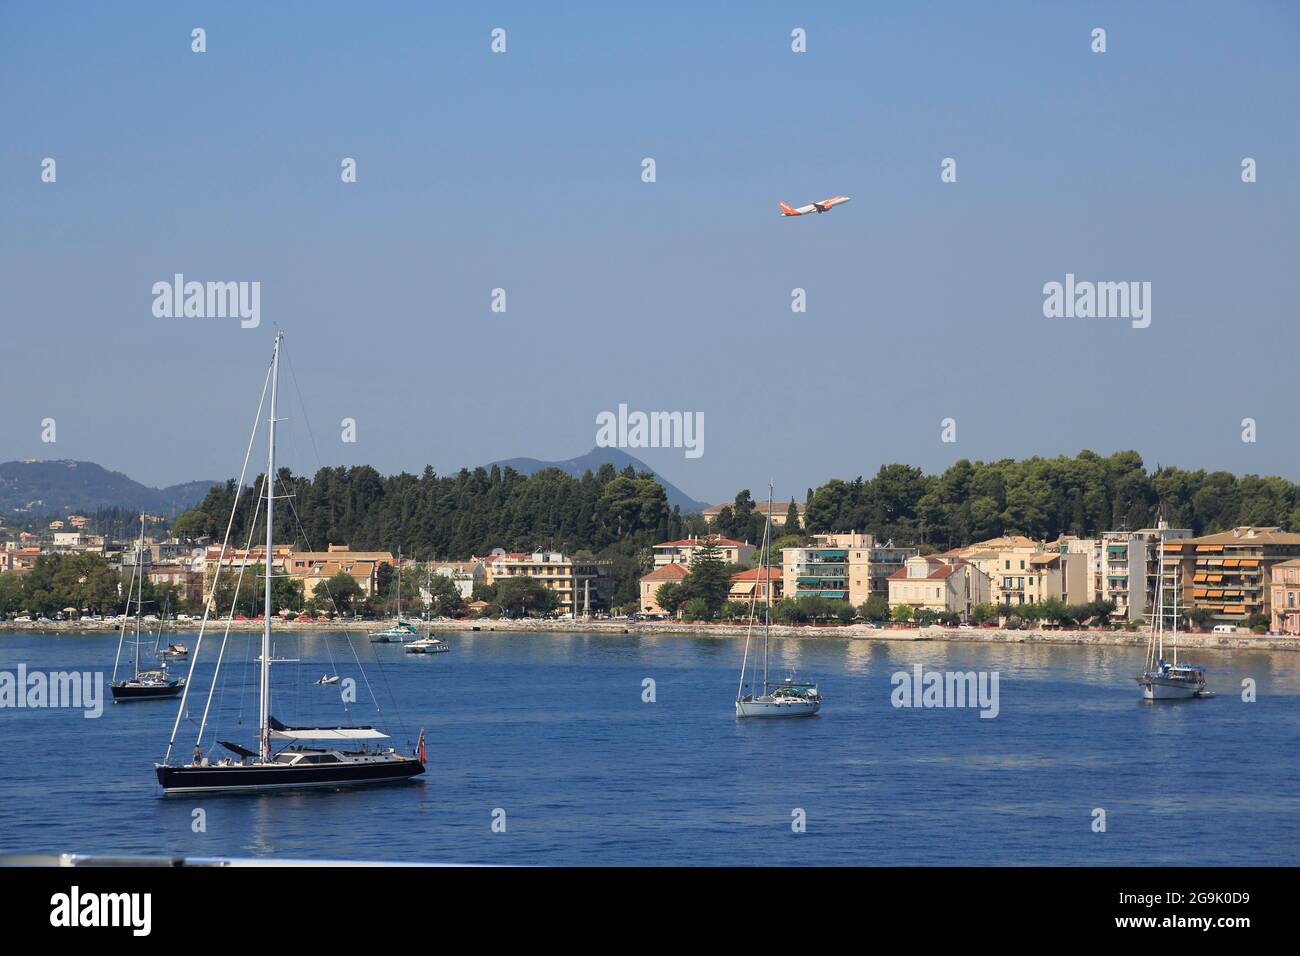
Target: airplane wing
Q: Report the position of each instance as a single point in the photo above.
(826, 204)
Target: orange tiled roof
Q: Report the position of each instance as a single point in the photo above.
(757, 574)
(713, 539)
(668, 572)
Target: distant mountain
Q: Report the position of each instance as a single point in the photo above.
(66, 487)
(601, 456)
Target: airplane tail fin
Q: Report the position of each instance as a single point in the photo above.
(786, 210)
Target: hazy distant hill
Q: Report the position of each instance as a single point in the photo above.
(600, 456)
(64, 487)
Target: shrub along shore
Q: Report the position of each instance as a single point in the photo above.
(1094, 637)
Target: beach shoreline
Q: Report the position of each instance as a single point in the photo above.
(1093, 638)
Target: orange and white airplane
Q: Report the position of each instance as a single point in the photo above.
(824, 206)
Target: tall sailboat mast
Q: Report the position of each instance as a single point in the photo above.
(264, 711)
(767, 573)
(1160, 603)
(139, 558)
(1175, 614)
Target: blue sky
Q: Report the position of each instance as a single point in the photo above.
(522, 171)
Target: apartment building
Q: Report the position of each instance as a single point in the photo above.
(730, 551)
(68, 540)
(943, 584)
(232, 562)
(575, 581)
(847, 566)
(1229, 574)
(1131, 566)
(1094, 561)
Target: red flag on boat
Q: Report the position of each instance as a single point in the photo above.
(421, 746)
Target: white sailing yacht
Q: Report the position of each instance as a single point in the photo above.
(329, 762)
(151, 684)
(787, 698)
(427, 644)
(401, 631)
(1161, 679)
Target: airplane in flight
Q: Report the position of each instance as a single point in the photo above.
(824, 206)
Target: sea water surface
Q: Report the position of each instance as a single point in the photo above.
(551, 732)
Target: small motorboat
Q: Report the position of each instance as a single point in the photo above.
(175, 651)
(328, 679)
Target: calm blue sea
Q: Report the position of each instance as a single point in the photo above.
(553, 730)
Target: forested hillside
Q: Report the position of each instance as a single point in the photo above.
(1044, 497)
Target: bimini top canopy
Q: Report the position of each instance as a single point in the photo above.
(281, 732)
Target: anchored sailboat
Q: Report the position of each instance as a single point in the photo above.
(401, 631)
(787, 698)
(151, 684)
(328, 764)
(428, 644)
(1161, 679)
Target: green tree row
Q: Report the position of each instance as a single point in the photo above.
(1044, 498)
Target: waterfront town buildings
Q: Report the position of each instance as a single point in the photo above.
(1241, 576)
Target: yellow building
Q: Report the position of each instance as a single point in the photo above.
(1022, 571)
(312, 567)
(940, 584)
(653, 581)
